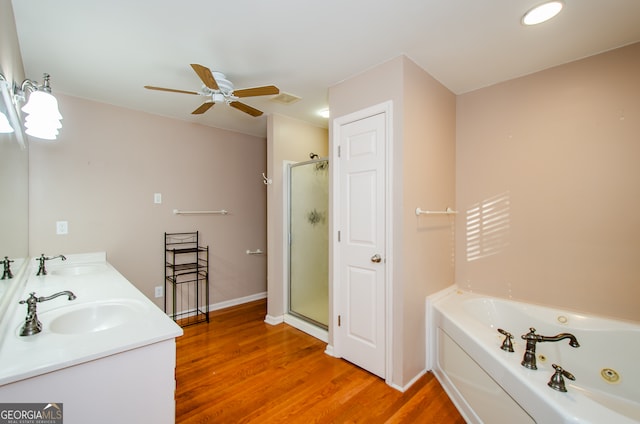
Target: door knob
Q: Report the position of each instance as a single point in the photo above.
(376, 258)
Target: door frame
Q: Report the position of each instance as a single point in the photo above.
(335, 286)
(302, 325)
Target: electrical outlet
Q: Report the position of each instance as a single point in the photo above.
(62, 227)
(159, 291)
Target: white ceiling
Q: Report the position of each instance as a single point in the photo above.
(108, 50)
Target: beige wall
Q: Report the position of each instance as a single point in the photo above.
(288, 140)
(559, 151)
(428, 182)
(101, 176)
(422, 175)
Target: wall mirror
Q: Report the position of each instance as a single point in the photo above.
(14, 196)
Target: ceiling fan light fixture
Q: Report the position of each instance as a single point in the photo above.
(218, 98)
(542, 13)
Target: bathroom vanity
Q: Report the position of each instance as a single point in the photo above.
(108, 356)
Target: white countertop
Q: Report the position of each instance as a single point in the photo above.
(94, 282)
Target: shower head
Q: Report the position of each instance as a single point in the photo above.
(313, 156)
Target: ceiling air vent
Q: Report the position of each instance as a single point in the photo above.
(285, 98)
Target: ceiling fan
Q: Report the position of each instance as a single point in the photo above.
(219, 89)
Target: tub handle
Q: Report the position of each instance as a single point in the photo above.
(506, 344)
(557, 380)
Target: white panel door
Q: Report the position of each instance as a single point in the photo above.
(361, 330)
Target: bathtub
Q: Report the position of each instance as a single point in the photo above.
(489, 385)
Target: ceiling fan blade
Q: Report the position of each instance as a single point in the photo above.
(257, 91)
(172, 90)
(246, 108)
(206, 76)
(203, 108)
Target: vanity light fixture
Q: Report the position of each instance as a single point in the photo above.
(542, 13)
(324, 113)
(5, 126)
(43, 119)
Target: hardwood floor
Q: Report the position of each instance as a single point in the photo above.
(238, 369)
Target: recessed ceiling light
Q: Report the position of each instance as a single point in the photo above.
(542, 13)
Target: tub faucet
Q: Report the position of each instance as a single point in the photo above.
(529, 360)
(31, 323)
(41, 268)
(507, 345)
(6, 262)
(557, 379)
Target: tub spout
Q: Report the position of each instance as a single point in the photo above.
(573, 342)
(529, 360)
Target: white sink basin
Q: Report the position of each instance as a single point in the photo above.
(91, 317)
(79, 269)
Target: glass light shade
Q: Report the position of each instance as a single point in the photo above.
(42, 127)
(42, 103)
(44, 117)
(46, 134)
(5, 126)
(542, 13)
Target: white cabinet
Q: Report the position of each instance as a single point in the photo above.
(135, 386)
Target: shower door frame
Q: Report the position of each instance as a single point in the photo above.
(301, 324)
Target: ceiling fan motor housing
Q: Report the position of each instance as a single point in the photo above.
(226, 87)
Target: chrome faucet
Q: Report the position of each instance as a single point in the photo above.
(6, 262)
(529, 360)
(41, 268)
(31, 323)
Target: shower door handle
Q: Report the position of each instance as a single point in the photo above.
(376, 258)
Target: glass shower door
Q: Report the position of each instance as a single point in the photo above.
(309, 242)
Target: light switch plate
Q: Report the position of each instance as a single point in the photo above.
(157, 198)
(62, 227)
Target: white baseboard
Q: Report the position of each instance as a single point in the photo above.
(329, 351)
(237, 301)
(224, 304)
(410, 383)
(271, 320)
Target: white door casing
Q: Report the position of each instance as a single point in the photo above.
(361, 295)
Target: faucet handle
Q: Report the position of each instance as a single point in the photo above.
(557, 379)
(31, 299)
(506, 343)
(531, 335)
(6, 262)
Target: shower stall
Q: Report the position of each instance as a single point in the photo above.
(308, 290)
